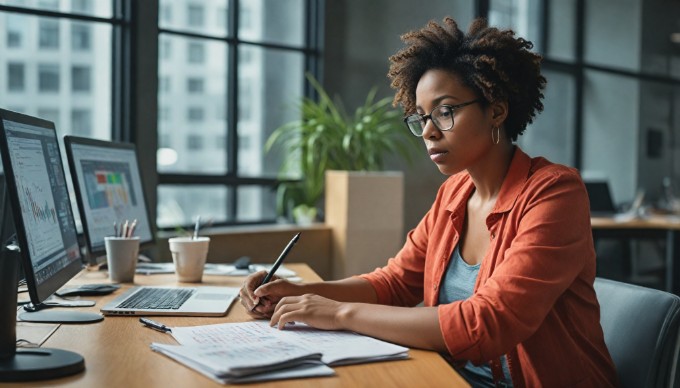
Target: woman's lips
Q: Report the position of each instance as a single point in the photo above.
(437, 155)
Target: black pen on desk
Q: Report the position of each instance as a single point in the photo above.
(155, 325)
(278, 263)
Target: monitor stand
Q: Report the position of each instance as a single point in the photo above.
(53, 316)
(37, 313)
(26, 364)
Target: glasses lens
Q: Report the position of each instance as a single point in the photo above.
(443, 118)
(415, 124)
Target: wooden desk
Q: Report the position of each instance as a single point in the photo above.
(117, 352)
(667, 227)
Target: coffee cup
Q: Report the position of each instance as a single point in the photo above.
(121, 258)
(189, 255)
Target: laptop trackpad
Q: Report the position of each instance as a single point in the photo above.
(210, 296)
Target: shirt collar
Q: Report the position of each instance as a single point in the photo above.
(517, 175)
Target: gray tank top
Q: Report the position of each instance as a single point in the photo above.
(459, 284)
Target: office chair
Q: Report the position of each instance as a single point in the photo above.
(641, 328)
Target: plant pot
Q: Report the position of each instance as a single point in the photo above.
(304, 215)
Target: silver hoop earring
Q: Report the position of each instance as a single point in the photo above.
(498, 135)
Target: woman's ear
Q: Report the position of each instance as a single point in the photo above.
(499, 112)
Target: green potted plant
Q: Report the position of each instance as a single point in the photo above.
(326, 138)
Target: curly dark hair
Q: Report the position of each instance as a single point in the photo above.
(494, 63)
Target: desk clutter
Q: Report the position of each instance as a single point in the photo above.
(215, 269)
(253, 351)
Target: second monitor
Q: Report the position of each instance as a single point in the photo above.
(109, 190)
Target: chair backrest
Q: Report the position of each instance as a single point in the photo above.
(641, 331)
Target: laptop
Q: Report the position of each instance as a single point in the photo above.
(173, 300)
(602, 205)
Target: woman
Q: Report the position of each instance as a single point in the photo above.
(504, 259)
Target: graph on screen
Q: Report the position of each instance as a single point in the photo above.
(37, 202)
(111, 190)
(42, 211)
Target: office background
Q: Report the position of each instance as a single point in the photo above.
(200, 84)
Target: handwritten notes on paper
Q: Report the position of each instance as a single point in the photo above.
(254, 351)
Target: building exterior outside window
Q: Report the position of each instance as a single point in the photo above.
(16, 77)
(80, 79)
(195, 85)
(196, 52)
(268, 76)
(81, 37)
(81, 122)
(62, 65)
(49, 34)
(48, 78)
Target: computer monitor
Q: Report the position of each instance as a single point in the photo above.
(108, 188)
(37, 230)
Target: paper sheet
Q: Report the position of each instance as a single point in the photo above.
(212, 269)
(337, 347)
(186, 356)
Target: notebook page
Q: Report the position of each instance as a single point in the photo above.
(337, 347)
(194, 356)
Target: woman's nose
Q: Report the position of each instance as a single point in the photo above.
(430, 131)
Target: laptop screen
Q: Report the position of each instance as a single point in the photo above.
(108, 189)
(600, 197)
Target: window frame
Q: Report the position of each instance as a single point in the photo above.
(578, 67)
(311, 49)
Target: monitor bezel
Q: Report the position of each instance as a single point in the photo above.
(37, 293)
(69, 141)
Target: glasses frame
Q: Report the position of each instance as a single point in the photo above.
(424, 118)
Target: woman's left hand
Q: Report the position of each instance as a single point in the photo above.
(314, 310)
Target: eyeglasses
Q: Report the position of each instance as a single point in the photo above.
(441, 116)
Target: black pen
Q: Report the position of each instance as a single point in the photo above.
(155, 325)
(278, 263)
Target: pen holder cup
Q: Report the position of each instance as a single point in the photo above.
(121, 258)
(189, 255)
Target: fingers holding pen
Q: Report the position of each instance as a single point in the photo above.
(248, 299)
(260, 299)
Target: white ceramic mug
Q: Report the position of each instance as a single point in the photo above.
(189, 255)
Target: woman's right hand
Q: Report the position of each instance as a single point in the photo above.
(261, 304)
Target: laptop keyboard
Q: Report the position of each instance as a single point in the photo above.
(157, 298)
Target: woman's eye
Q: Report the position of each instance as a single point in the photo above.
(445, 113)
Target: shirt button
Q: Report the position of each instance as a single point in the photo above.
(493, 236)
(435, 287)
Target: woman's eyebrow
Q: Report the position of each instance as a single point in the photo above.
(438, 100)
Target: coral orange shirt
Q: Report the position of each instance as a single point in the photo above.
(533, 299)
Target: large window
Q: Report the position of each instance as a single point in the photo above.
(45, 45)
(613, 72)
(227, 73)
(239, 69)
(52, 71)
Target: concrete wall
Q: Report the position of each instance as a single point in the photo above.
(611, 104)
(360, 36)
